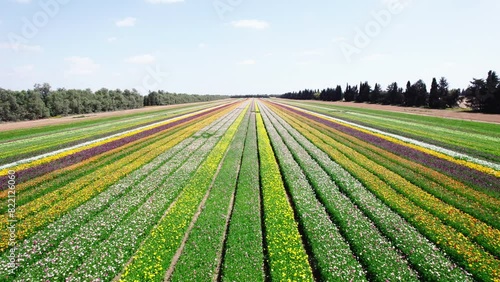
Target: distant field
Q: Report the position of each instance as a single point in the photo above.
(254, 190)
(25, 139)
(462, 114)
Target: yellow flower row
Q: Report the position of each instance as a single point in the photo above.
(471, 256)
(287, 257)
(48, 208)
(468, 164)
(153, 258)
(93, 145)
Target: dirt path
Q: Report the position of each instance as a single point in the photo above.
(417, 111)
(77, 118)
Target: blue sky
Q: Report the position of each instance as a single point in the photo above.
(243, 46)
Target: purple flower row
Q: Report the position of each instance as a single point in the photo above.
(461, 173)
(66, 161)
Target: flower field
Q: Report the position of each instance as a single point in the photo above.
(252, 190)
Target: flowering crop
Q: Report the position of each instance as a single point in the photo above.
(154, 257)
(49, 207)
(112, 254)
(69, 157)
(141, 193)
(334, 257)
(472, 257)
(470, 175)
(423, 255)
(244, 257)
(287, 258)
(452, 192)
(201, 256)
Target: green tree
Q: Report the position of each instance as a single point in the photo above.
(434, 99)
(375, 94)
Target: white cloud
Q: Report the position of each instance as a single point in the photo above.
(202, 45)
(164, 1)
(23, 1)
(248, 62)
(126, 22)
(81, 66)
(141, 59)
(21, 47)
(253, 24)
(112, 39)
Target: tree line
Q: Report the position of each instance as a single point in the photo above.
(43, 102)
(483, 95)
(162, 98)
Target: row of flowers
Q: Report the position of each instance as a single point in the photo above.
(244, 256)
(460, 172)
(154, 257)
(483, 265)
(148, 190)
(333, 257)
(202, 255)
(35, 214)
(287, 257)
